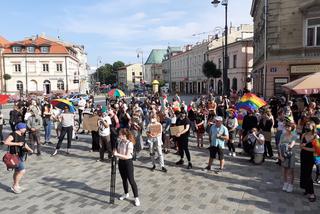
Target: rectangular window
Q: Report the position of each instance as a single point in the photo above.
(44, 49)
(219, 63)
(45, 67)
(310, 37)
(318, 36)
(16, 49)
(59, 67)
(17, 67)
(313, 32)
(133, 73)
(30, 49)
(140, 73)
(234, 61)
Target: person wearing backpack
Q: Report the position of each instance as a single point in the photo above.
(287, 156)
(17, 145)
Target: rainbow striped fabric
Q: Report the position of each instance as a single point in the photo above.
(316, 146)
(250, 102)
(232, 112)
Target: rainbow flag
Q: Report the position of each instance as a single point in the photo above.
(318, 129)
(316, 154)
(231, 111)
(250, 102)
(240, 117)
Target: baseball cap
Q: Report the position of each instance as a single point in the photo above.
(218, 118)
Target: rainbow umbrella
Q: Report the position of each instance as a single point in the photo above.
(116, 93)
(61, 103)
(4, 99)
(250, 102)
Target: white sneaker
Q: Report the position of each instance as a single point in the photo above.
(290, 188)
(124, 196)
(136, 202)
(16, 190)
(234, 154)
(285, 186)
(230, 154)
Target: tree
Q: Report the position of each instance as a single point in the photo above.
(6, 77)
(106, 74)
(116, 65)
(210, 70)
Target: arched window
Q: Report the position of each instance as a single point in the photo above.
(19, 85)
(60, 85)
(235, 84)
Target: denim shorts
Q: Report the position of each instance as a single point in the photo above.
(21, 166)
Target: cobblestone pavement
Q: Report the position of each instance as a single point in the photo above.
(76, 183)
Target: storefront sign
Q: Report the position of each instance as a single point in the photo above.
(299, 69)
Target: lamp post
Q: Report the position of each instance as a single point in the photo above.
(226, 89)
(140, 53)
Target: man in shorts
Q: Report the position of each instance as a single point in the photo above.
(218, 135)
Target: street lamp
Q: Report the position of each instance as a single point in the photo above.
(226, 89)
(140, 53)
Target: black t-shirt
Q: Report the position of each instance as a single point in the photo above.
(17, 149)
(184, 123)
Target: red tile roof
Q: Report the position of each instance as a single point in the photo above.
(3, 41)
(54, 47)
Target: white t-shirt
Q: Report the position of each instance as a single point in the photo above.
(103, 131)
(82, 104)
(259, 148)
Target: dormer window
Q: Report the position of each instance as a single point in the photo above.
(44, 49)
(16, 49)
(30, 49)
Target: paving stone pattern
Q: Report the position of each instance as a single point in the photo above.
(76, 183)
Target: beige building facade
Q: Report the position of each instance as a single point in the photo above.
(129, 76)
(286, 43)
(42, 65)
(184, 68)
(240, 65)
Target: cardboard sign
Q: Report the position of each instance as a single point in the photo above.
(90, 122)
(176, 129)
(155, 129)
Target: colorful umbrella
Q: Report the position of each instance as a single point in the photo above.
(4, 99)
(61, 103)
(116, 93)
(250, 102)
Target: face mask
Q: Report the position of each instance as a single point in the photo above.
(307, 129)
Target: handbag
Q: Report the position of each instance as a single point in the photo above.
(11, 160)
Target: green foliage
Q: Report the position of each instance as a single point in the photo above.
(162, 83)
(116, 65)
(6, 76)
(210, 70)
(106, 74)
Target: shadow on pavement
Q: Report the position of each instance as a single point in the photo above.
(72, 186)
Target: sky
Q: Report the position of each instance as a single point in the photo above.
(114, 30)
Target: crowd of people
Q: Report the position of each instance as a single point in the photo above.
(126, 126)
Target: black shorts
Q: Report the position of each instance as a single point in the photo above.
(232, 135)
(214, 150)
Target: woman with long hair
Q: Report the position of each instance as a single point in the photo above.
(124, 152)
(307, 160)
(47, 122)
(287, 156)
